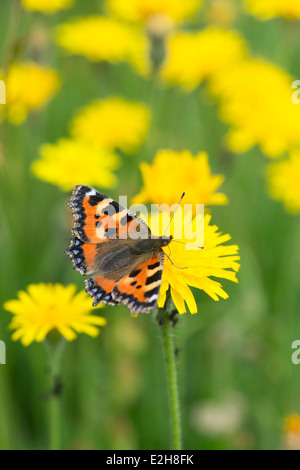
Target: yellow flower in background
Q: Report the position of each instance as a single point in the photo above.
(112, 123)
(214, 260)
(29, 87)
(284, 181)
(141, 10)
(221, 13)
(194, 57)
(171, 173)
(291, 436)
(47, 6)
(101, 38)
(69, 161)
(47, 307)
(266, 9)
(256, 101)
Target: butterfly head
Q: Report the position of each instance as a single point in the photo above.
(165, 241)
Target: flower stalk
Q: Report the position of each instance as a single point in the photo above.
(166, 318)
(54, 350)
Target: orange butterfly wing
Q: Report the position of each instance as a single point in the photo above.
(100, 227)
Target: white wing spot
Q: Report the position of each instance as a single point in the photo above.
(154, 297)
(91, 193)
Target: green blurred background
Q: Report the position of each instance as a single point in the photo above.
(237, 381)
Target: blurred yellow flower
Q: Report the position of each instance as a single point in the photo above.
(284, 181)
(101, 38)
(47, 6)
(291, 437)
(214, 260)
(69, 161)
(112, 123)
(221, 13)
(266, 9)
(256, 101)
(194, 57)
(171, 173)
(141, 10)
(47, 307)
(28, 88)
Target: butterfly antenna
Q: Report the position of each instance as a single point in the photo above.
(179, 267)
(191, 244)
(183, 194)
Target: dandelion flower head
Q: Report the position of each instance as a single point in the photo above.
(112, 123)
(46, 307)
(266, 9)
(46, 6)
(107, 39)
(215, 260)
(195, 57)
(291, 435)
(284, 181)
(141, 10)
(171, 173)
(255, 100)
(62, 164)
(29, 87)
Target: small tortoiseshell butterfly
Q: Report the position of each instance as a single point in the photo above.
(116, 247)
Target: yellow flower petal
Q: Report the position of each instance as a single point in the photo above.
(246, 93)
(171, 173)
(123, 124)
(61, 164)
(198, 266)
(47, 307)
(101, 38)
(284, 182)
(194, 57)
(46, 6)
(142, 10)
(29, 86)
(266, 9)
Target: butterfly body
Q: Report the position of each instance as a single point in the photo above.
(118, 249)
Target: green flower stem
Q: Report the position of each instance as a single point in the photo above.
(166, 325)
(54, 353)
(54, 423)
(11, 35)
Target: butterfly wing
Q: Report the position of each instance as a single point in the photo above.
(100, 289)
(98, 218)
(101, 227)
(139, 290)
(102, 242)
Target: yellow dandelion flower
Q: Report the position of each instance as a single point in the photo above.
(112, 123)
(194, 57)
(291, 436)
(69, 161)
(29, 87)
(101, 38)
(140, 10)
(284, 181)
(46, 6)
(266, 9)
(200, 265)
(221, 13)
(247, 104)
(171, 173)
(47, 307)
